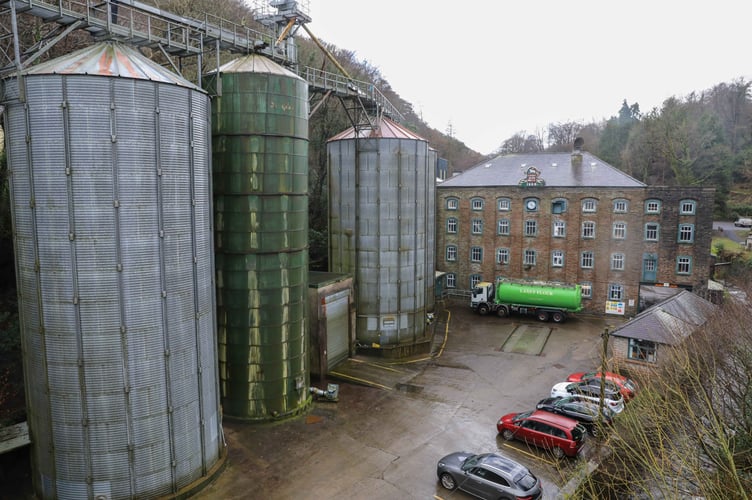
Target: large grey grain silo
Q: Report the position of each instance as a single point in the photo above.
(381, 184)
(110, 184)
(260, 162)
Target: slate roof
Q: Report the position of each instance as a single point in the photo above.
(556, 170)
(670, 321)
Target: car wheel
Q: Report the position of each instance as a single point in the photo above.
(448, 482)
(558, 317)
(507, 434)
(502, 312)
(483, 309)
(558, 452)
(542, 316)
(594, 431)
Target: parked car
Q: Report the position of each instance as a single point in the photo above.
(557, 433)
(584, 411)
(591, 390)
(743, 222)
(627, 386)
(488, 475)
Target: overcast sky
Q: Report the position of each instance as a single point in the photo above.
(493, 68)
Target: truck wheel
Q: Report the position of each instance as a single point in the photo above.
(483, 309)
(542, 316)
(558, 317)
(502, 312)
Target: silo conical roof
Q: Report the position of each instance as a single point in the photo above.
(255, 63)
(384, 129)
(109, 59)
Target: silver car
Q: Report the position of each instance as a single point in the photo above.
(488, 475)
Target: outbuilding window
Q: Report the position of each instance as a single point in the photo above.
(642, 350)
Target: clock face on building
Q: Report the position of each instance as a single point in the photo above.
(532, 205)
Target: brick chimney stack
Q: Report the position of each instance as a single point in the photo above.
(577, 152)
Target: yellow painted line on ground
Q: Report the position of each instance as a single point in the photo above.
(443, 344)
(531, 455)
(367, 382)
(377, 365)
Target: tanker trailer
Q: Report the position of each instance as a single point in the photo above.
(544, 300)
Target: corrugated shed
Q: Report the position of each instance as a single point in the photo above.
(669, 322)
(109, 59)
(384, 129)
(556, 170)
(254, 63)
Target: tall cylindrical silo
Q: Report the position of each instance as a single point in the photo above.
(260, 161)
(433, 158)
(110, 183)
(380, 182)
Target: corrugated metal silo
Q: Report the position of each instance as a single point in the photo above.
(260, 161)
(111, 201)
(433, 159)
(380, 215)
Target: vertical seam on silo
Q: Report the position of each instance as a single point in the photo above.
(38, 298)
(81, 364)
(162, 279)
(121, 294)
(196, 298)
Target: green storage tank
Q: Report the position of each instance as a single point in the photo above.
(543, 295)
(260, 175)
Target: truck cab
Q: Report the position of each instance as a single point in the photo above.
(482, 297)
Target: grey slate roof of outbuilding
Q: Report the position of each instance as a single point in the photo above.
(670, 321)
(556, 170)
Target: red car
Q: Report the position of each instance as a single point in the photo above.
(557, 433)
(627, 387)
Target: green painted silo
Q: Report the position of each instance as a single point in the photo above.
(260, 163)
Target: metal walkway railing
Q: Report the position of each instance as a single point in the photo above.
(142, 25)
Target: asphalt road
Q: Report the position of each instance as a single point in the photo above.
(383, 437)
(727, 229)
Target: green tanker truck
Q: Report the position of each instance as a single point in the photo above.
(540, 299)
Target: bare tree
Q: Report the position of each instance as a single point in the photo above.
(688, 433)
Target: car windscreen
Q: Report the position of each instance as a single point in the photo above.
(525, 480)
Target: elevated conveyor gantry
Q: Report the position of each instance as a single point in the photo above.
(142, 25)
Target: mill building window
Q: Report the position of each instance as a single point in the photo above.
(477, 204)
(621, 206)
(505, 204)
(452, 203)
(451, 280)
(529, 258)
(620, 230)
(586, 260)
(560, 229)
(615, 292)
(586, 290)
(558, 206)
(684, 265)
(452, 225)
(451, 253)
(502, 256)
(503, 227)
(477, 226)
(617, 262)
(476, 254)
(687, 207)
(588, 205)
(652, 206)
(557, 258)
(474, 280)
(651, 231)
(531, 227)
(686, 233)
(588, 230)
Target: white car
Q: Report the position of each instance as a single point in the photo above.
(590, 391)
